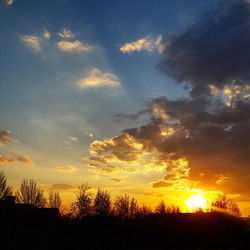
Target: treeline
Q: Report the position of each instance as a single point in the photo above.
(100, 204)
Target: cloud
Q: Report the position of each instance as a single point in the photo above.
(66, 169)
(62, 187)
(214, 50)
(145, 43)
(5, 137)
(32, 42)
(99, 165)
(97, 78)
(9, 2)
(76, 46)
(66, 34)
(199, 135)
(46, 34)
(10, 159)
(117, 180)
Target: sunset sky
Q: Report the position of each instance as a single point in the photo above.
(149, 98)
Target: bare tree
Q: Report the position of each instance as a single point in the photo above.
(82, 206)
(161, 208)
(121, 206)
(102, 203)
(133, 208)
(223, 202)
(144, 211)
(54, 200)
(5, 190)
(30, 193)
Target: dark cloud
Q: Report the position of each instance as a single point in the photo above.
(214, 50)
(132, 116)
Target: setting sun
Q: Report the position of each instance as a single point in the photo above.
(195, 202)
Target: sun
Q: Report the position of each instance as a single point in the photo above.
(196, 202)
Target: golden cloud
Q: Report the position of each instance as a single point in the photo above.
(32, 42)
(145, 43)
(97, 78)
(10, 159)
(74, 46)
(46, 34)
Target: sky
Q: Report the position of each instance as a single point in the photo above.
(149, 98)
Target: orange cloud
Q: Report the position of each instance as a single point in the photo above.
(10, 159)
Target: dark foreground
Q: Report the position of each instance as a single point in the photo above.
(169, 231)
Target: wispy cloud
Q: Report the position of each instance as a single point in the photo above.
(66, 34)
(63, 187)
(32, 42)
(74, 46)
(10, 159)
(117, 180)
(146, 43)
(66, 169)
(97, 78)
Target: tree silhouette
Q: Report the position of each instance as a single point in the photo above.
(82, 206)
(30, 193)
(121, 206)
(161, 208)
(5, 190)
(144, 211)
(223, 202)
(54, 200)
(173, 209)
(133, 208)
(102, 203)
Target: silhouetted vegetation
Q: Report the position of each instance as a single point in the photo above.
(225, 203)
(55, 200)
(5, 189)
(30, 193)
(102, 203)
(82, 206)
(96, 223)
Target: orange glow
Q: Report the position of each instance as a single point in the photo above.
(196, 202)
